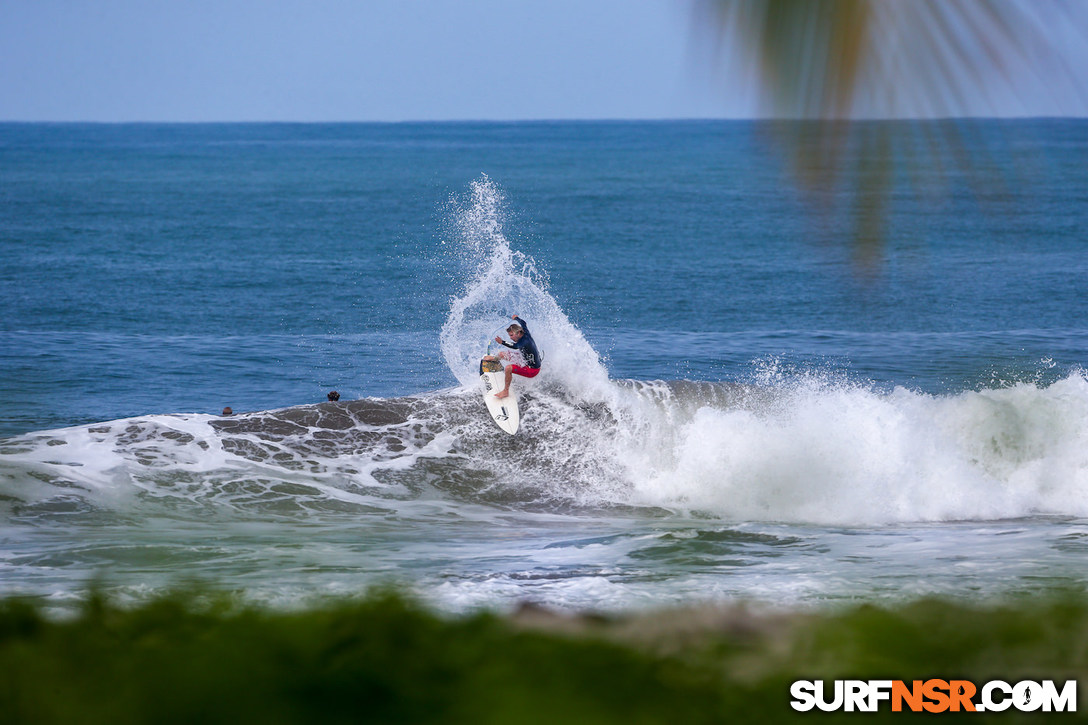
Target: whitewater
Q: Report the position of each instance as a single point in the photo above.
(784, 485)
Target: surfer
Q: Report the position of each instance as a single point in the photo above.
(522, 342)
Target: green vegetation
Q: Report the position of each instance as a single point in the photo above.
(189, 659)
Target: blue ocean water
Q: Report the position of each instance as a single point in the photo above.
(733, 405)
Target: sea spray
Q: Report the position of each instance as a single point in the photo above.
(500, 282)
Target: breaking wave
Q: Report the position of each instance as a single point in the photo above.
(801, 452)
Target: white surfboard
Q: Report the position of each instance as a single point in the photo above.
(504, 411)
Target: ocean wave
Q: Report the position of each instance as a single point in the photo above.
(806, 450)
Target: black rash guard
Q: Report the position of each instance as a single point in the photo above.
(526, 345)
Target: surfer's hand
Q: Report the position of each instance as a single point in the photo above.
(498, 340)
(513, 317)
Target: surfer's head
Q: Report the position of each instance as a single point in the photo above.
(515, 332)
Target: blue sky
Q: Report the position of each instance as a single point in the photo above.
(383, 60)
(367, 60)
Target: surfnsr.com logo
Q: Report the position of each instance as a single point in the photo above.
(934, 696)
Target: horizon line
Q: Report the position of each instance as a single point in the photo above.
(677, 119)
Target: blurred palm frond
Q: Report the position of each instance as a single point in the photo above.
(823, 67)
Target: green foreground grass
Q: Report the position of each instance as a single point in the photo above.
(191, 658)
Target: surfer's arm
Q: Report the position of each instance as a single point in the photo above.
(522, 323)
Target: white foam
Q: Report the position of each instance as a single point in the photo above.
(827, 452)
(184, 459)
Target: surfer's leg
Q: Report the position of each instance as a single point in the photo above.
(509, 373)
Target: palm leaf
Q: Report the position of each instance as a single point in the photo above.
(824, 65)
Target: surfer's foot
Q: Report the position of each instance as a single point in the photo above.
(501, 394)
(489, 357)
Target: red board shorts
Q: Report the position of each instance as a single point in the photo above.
(524, 372)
